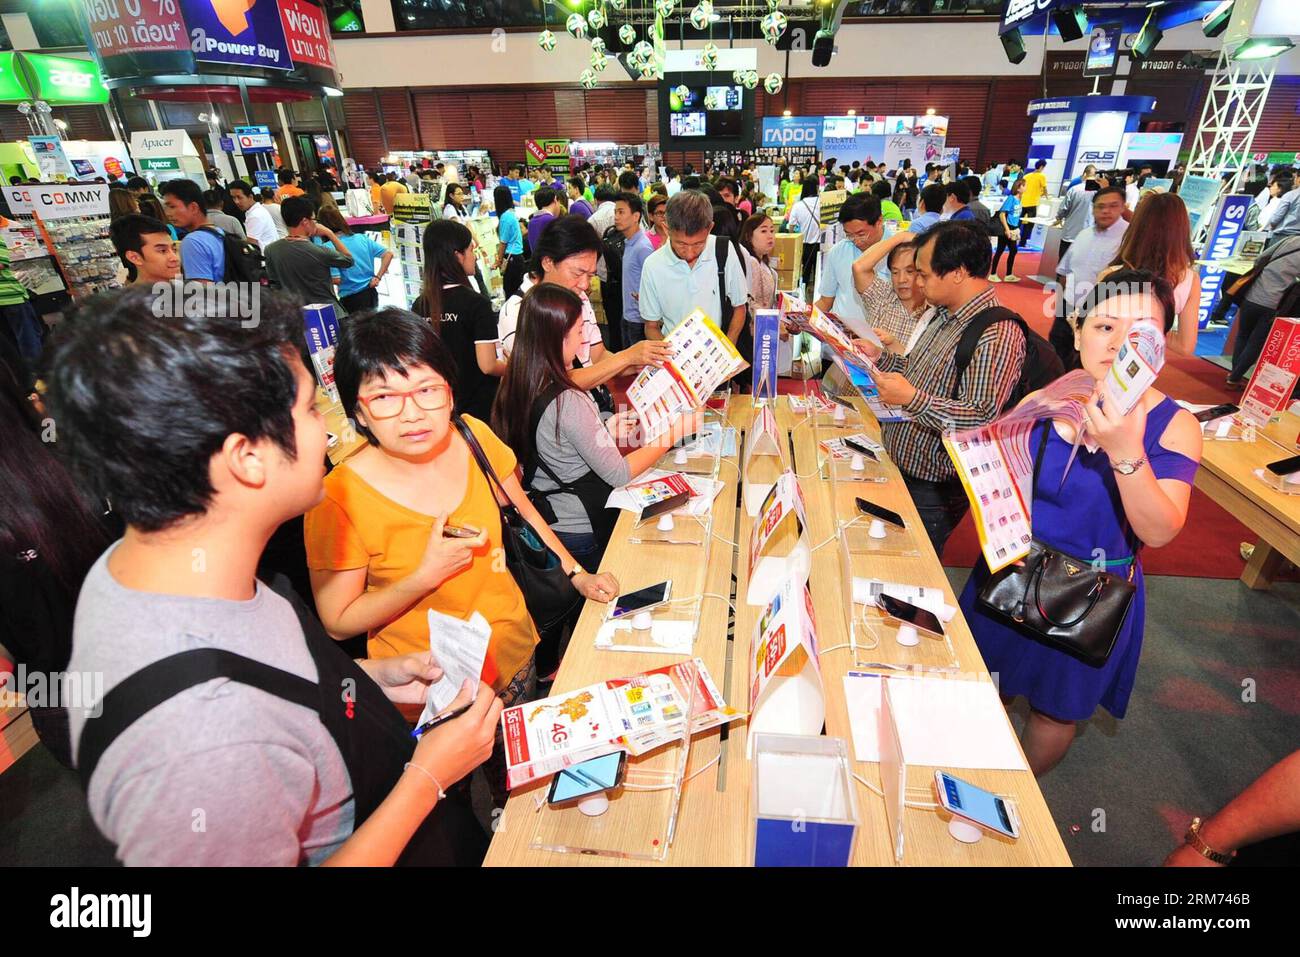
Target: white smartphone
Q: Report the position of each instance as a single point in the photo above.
(642, 600)
(976, 805)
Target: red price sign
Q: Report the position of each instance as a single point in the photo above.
(118, 27)
(306, 33)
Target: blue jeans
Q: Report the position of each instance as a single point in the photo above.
(633, 332)
(584, 548)
(942, 506)
(26, 328)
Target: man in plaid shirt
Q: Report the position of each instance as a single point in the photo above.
(952, 265)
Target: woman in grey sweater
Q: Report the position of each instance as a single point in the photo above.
(570, 458)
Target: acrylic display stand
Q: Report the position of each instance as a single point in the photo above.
(893, 772)
(763, 460)
(802, 804)
(641, 818)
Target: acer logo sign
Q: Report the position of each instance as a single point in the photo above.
(67, 78)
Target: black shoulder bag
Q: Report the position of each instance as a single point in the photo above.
(548, 590)
(1061, 600)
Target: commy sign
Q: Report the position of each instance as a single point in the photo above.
(792, 130)
(1223, 240)
(58, 202)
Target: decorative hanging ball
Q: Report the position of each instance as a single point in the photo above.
(773, 83)
(773, 4)
(587, 78)
(598, 61)
(627, 33)
(643, 51)
(596, 18)
(597, 45)
(681, 91)
(664, 7)
(701, 15)
(649, 70)
(546, 40)
(773, 25)
(576, 25)
(709, 57)
(750, 79)
(618, 4)
(737, 76)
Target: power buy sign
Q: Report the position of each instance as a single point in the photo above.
(792, 131)
(551, 153)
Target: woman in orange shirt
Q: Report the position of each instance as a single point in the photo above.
(378, 558)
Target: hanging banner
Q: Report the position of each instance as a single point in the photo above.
(119, 27)
(551, 153)
(919, 149)
(1220, 245)
(58, 202)
(237, 31)
(307, 33)
(767, 344)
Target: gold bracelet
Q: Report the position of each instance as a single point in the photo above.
(1197, 843)
(442, 795)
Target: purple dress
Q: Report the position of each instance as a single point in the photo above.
(1083, 514)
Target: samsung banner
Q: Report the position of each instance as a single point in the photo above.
(1224, 233)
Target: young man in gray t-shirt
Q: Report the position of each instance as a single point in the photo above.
(300, 266)
(219, 445)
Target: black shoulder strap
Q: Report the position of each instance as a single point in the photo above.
(549, 395)
(149, 687)
(970, 338)
(721, 251)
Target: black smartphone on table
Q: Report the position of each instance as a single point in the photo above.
(604, 773)
(1218, 412)
(1284, 466)
(884, 514)
(669, 504)
(859, 447)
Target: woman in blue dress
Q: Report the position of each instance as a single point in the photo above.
(1134, 489)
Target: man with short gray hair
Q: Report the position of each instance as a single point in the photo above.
(692, 270)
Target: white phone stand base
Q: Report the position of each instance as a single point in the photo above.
(594, 805)
(877, 529)
(907, 635)
(963, 831)
(665, 523)
(642, 621)
(838, 414)
(858, 464)
(680, 457)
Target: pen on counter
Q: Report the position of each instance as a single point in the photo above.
(440, 719)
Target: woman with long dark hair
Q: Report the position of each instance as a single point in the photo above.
(50, 535)
(463, 318)
(1159, 241)
(569, 457)
(510, 253)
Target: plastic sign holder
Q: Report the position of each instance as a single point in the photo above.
(803, 808)
(893, 772)
(764, 459)
(668, 629)
(641, 819)
(702, 454)
(785, 682)
(778, 544)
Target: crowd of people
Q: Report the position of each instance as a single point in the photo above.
(186, 443)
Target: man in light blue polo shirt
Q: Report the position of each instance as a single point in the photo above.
(931, 209)
(628, 210)
(682, 275)
(203, 251)
(863, 227)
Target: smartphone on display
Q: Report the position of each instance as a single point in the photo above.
(884, 514)
(459, 531)
(667, 505)
(590, 777)
(1285, 466)
(642, 599)
(1218, 412)
(909, 613)
(859, 447)
(966, 801)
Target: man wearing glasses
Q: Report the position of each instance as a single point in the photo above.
(1092, 251)
(694, 270)
(299, 265)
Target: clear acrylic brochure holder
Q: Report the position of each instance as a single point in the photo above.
(803, 810)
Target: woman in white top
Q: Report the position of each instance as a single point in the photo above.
(566, 254)
(806, 218)
(1159, 241)
(455, 206)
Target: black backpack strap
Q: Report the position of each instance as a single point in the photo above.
(721, 248)
(543, 402)
(971, 336)
(149, 687)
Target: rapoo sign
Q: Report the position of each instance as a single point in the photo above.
(792, 131)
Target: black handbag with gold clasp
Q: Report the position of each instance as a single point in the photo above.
(1063, 601)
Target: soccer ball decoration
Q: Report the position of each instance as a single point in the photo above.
(618, 4)
(627, 33)
(701, 15)
(643, 51)
(709, 58)
(546, 40)
(738, 76)
(598, 61)
(596, 18)
(750, 79)
(773, 25)
(649, 70)
(664, 7)
(587, 78)
(773, 4)
(576, 25)
(681, 91)
(772, 83)
(597, 45)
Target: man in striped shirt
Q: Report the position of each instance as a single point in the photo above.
(952, 265)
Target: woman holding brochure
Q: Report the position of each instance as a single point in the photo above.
(1132, 491)
(570, 458)
(410, 524)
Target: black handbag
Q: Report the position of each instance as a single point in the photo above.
(1060, 600)
(548, 590)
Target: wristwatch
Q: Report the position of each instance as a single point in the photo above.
(1128, 466)
(576, 570)
(1193, 838)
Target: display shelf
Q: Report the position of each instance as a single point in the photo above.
(85, 253)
